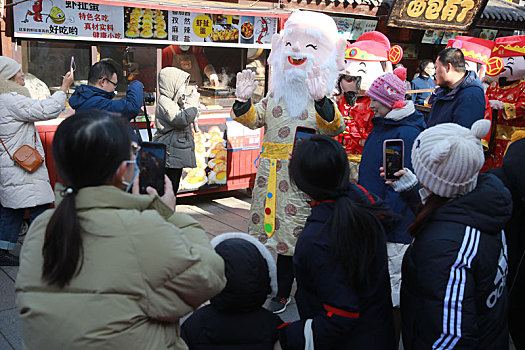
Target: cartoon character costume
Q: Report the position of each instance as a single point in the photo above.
(476, 52)
(507, 94)
(305, 58)
(369, 57)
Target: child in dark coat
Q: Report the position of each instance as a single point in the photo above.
(235, 318)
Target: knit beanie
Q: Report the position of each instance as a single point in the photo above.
(401, 73)
(389, 90)
(447, 157)
(8, 68)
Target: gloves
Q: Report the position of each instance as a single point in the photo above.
(245, 85)
(495, 104)
(405, 182)
(214, 79)
(316, 83)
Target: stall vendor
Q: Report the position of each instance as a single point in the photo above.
(190, 59)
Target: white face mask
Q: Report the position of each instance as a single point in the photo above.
(135, 173)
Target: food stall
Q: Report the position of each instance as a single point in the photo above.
(230, 38)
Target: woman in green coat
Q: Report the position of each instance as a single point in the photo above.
(108, 269)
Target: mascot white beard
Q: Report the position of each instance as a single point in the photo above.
(290, 84)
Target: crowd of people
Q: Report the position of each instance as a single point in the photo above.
(433, 257)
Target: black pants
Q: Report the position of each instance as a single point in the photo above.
(285, 275)
(174, 175)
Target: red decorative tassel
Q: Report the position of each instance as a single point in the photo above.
(399, 104)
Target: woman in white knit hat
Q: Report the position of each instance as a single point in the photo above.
(453, 293)
(19, 189)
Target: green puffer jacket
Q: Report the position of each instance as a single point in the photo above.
(144, 268)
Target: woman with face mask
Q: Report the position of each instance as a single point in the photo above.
(425, 80)
(119, 268)
(175, 113)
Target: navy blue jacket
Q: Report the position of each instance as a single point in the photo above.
(89, 97)
(421, 82)
(406, 129)
(463, 105)
(454, 293)
(362, 321)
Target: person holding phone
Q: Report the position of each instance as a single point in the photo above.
(176, 110)
(120, 269)
(454, 292)
(394, 118)
(19, 189)
(101, 89)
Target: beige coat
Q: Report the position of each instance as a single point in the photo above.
(144, 268)
(18, 188)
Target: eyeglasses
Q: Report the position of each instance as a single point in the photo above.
(114, 84)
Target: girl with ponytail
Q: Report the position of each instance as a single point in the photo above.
(119, 269)
(343, 288)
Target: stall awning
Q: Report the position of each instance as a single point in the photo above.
(354, 7)
(242, 7)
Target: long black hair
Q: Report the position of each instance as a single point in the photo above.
(319, 167)
(88, 148)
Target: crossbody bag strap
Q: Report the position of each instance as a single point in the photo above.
(6, 148)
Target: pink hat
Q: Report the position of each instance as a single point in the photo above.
(401, 73)
(389, 90)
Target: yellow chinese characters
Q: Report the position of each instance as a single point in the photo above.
(446, 10)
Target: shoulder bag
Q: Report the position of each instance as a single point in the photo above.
(26, 157)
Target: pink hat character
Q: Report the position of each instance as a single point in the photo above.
(389, 90)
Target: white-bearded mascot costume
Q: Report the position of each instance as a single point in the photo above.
(305, 59)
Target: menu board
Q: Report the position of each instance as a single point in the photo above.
(362, 26)
(344, 26)
(488, 34)
(69, 19)
(85, 21)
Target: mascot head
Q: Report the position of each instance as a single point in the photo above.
(476, 52)
(507, 62)
(370, 57)
(309, 39)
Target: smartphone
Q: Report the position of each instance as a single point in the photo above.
(302, 133)
(72, 64)
(393, 155)
(152, 164)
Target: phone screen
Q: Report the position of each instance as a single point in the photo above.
(302, 133)
(393, 158)
(152, 163)
(72, 64)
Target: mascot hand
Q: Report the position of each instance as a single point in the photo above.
(316, 83)
(246, 85)
(495, 104)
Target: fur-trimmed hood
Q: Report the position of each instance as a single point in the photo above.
(250, 270)
(8, 86)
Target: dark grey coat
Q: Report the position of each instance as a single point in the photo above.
(174, 115)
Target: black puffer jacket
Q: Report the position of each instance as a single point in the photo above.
(453, 293)
(342, 318)
(511, 173)
(235, 318)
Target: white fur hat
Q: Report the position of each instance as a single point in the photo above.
(8, 68)
(447, 157)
